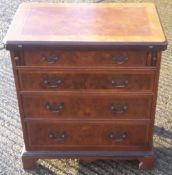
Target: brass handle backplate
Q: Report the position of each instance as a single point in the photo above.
(120, 60)
(57, 136)
(117, 136)
(119, 83)
(51, 82)
(50, 59)
(54, 107)
(119, 108)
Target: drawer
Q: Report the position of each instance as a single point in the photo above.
(53, 57)
(131, 80)
(90, 135)
(86, 106)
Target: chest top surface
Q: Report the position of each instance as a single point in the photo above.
(47, 23)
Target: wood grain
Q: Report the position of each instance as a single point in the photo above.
(118, 80)
(87, 107)
(57, 57)
(73, 93)
(88, 135)
(93, 23)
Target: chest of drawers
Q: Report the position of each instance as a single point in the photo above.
(86, 77)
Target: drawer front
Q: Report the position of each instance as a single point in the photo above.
(53, 57)
(87, 106)
(98, 135)
(74, 80)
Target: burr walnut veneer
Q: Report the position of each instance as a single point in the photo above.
(86, 77)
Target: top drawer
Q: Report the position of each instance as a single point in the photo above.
(54, 57)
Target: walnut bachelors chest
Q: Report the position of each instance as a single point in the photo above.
(86, 77)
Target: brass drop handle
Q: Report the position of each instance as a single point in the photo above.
(57, 136)
(117, 83)
(52, 82)
(117, 136)
(119, 108)
(50, 59)
(54, 107)
(120, 60)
